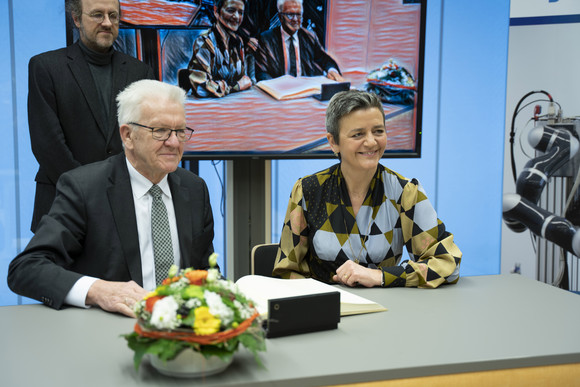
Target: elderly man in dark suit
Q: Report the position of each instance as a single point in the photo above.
(117, 225)
(71, 98)
(292, 49)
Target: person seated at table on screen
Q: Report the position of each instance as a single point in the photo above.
(217, 66)
(117, 226)
(349, 223)
(292, 49)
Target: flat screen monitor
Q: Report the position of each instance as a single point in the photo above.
(377, 45)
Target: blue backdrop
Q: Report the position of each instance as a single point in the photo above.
(463, 127)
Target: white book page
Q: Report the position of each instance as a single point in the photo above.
(261, 289)
(287, 86)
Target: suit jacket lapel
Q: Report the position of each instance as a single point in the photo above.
(181, 204)
(279, 55)
(307, 62)
(82, 74)
(123, 207)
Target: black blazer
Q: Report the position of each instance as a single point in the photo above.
(67, 126)
(270, 56)
(91, 229)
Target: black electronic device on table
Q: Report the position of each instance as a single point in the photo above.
(327, 90)
(302, 314)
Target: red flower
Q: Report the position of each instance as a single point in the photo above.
(169, 281)
(150, 302)
(196, 277)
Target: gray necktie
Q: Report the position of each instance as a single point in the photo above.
(162, 248)
(292, 57)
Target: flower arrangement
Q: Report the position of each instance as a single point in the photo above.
(195, 309)
(392, 82)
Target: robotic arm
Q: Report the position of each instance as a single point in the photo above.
(559, 146)
(521, 212)
(541, 222)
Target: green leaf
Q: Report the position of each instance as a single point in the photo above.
(190, 319)
(192, 291)
(164, 290)
(253, 340)
(139, 345)
(212, 350)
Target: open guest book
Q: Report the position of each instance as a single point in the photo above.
(289, 87)
(261, 289)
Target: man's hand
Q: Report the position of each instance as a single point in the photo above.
(245, 83)
(118, 297)
(294, 275)
(334, 75)
(253, 44)
(353, 274)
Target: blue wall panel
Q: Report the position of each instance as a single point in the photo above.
(471, 130)
(7, 154)
(37, 26)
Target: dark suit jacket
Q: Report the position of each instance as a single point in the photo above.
(91, 229)
(65, 118)
(270, 57)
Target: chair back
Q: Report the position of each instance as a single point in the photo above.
(183, 79)
(263, 259)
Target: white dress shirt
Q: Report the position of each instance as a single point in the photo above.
(286, 42)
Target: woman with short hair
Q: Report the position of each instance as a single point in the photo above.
(217, 66)
(349, 223)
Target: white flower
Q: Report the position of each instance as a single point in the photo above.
(138, 307)
(164, 314)
(232, 287)
(178, 285)
(245, 311)
(192, 303)
(218, 308)
(212, 275)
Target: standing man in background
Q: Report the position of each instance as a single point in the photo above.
(72, 115)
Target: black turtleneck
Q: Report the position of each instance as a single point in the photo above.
(101, 68)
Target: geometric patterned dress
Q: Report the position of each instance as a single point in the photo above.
(320, 232)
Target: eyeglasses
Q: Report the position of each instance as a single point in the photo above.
(99, 17)
(163, 134)
(292, 16)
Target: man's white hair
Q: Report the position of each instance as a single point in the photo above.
(281, 3)
(129, 100)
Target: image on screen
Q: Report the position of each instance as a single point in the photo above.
(375, 45)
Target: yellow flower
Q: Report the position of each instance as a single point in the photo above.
(150, 294)
(205, 323)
